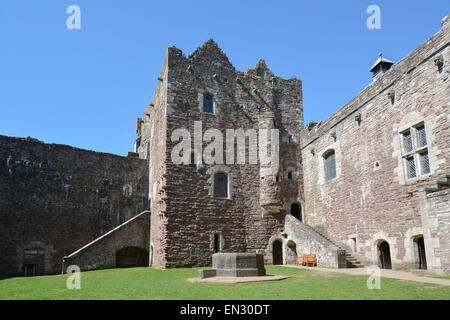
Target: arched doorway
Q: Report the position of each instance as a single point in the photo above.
(34, 261)
(291, 252)
(296, 211)
(384, 255)
(277, 252)
(130, 257)
(420, 252)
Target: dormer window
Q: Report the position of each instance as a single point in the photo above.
(208, 103)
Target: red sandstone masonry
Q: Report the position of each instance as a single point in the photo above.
(54, 199)
(366, 201)
(181, 234)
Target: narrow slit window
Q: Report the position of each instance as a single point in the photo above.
(193, 162)
(217, 242)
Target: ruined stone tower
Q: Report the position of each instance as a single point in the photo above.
(188, 218)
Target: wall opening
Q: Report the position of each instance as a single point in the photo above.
(208, 106)
(34, 261)
(384, 255)
(131, 257)
(419, 247)
(291, 255)
(216, 243)
(296, 211)
(329, 164)
(354, 247)
(221, 185)
(277, 252)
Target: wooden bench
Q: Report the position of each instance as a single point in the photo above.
(128, 262)
(307, 260)
(300, 260)
(310, 260)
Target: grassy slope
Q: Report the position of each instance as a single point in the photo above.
(150, 283)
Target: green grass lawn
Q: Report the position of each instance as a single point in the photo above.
(150, 283)
(442, 277)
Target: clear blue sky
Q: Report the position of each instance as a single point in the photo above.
(86, 87)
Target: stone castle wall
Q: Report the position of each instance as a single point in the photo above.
(54, 199)
(186, 215)
(372, 198)
(436, 227)
(101, 253)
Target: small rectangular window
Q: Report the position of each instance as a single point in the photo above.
(421, 136)
(411, 167)
(208, 103)
(220, 185)
(407, 141)
(425, 163)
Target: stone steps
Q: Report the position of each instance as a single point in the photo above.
(352, 262)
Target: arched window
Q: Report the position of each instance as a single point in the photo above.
(220, 185)
(329, 165)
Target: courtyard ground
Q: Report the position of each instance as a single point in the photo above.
(151, 283)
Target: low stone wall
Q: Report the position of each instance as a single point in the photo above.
(101, 253)
(309, 241)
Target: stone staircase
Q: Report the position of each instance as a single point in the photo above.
(352, 262)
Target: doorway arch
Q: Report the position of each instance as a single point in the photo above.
(130, 257)
(419, 247)
(291, 252)
(296, 211)
(277, 252)
(384, 255)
